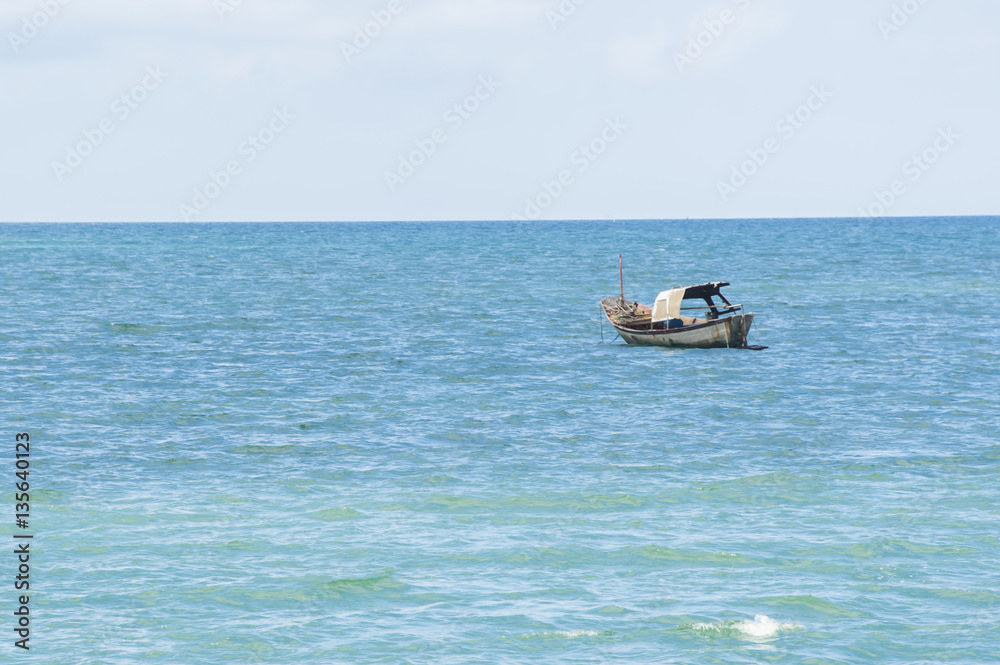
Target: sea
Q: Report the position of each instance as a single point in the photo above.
(417, 443)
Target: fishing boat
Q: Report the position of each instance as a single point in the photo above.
(723, 325)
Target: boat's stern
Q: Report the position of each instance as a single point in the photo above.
(738, 329)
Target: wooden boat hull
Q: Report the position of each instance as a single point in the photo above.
(730, 332)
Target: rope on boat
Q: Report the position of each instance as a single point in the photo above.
(757, 333)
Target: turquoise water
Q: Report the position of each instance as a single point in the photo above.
(406, 443)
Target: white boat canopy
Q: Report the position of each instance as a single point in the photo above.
(668, 305)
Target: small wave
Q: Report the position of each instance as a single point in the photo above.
(361, 585)
(131, 328)
(810, 604)
(567, 633)
(335, 514)
(762, 627)
(660, 553)
(267, 450)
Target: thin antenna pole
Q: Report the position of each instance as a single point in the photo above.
(621, 277)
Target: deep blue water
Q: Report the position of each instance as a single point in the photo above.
(406, 443)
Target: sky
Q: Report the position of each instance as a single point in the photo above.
(385, 110)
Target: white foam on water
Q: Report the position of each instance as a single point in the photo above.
(762, 627)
